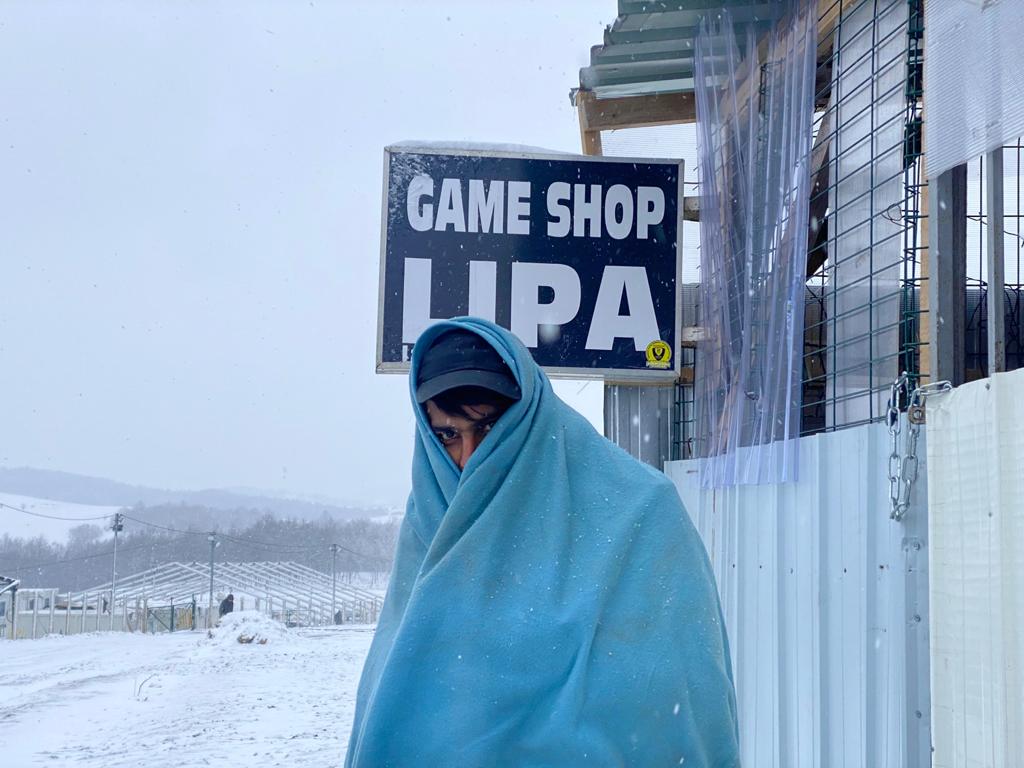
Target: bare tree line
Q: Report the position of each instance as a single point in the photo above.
(85, 560)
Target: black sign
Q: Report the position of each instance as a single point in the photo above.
(578, 256)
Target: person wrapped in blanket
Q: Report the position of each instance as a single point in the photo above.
(551, 603)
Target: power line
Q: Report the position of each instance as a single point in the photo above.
(108, 553)
(239, 539)
(254, 542)
(165, 527)
(251, 542)
(357, 554)
(55, 517)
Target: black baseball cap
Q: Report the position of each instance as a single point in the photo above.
(463, 359)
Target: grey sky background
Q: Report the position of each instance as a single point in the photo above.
(190, 222)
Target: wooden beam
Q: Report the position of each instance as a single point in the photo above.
(829, 12)
(671, 108)
(692, 335)
(590, 138)
(591, 142)
(924, 334)
(924, 356)
(634, 111)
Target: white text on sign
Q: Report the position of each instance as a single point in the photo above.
(503, 207)
(529, 315)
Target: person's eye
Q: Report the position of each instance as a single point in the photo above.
(485, 428)
(447, 435)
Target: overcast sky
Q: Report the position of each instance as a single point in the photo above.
(190, 223)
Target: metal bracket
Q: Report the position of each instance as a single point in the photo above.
(915, 414)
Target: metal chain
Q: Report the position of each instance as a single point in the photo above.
(903, 469)
(898, 502)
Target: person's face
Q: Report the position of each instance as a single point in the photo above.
(462, 434)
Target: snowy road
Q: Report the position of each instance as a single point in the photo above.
(115, 699)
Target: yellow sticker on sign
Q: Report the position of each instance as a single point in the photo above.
(659, 355)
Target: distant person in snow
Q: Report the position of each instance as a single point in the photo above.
(227, 605)
(551, 603)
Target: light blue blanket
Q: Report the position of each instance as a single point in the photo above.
(552, 605)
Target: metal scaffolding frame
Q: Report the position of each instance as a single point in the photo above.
(288, 590)
(841, 382)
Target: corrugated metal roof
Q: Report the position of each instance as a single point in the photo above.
(648, 49)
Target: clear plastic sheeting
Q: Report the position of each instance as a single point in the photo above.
(973, 71)
(865, 248)
(976, 528)
(755, 102)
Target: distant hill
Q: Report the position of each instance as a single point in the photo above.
(81, 489)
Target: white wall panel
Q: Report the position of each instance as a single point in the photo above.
(825, 599)
(976, 449)
(972, 70)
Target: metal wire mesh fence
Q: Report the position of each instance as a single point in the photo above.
(866, 292)
(865, 309)
(863, 262)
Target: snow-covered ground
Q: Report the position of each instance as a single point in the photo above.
(26, 526)
(183, 699)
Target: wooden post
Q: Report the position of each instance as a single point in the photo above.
(924, 335)
(67, 616)
(948, 274)
(590, 138)
(35, 613)
(53, 607)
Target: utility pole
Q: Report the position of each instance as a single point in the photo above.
(117, 526)
(334, 582)
(212, 538)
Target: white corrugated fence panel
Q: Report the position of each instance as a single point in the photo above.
(825, 599)
(976, 450)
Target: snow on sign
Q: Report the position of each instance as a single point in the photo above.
(578, 256)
